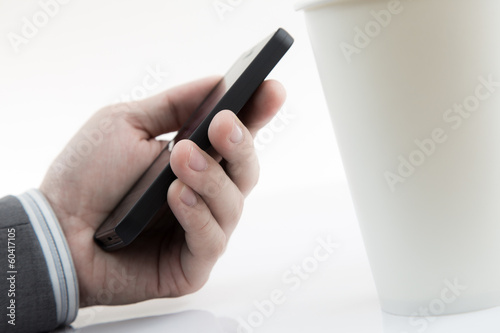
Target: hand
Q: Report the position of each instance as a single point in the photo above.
(113, 149)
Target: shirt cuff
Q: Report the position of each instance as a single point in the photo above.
(56, 252)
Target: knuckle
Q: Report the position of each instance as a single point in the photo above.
(246, 158)
(215, 185)
(237, 210)
(206, 227)
(121, 109)
(218, 246)
(256, 176)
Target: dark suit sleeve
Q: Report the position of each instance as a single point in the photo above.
(38, 288)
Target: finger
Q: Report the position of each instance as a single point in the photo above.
(232, 140)
(263, 105)
(206, 177)
(205, 239)
(167, 111)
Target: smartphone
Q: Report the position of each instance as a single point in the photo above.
(146, 201)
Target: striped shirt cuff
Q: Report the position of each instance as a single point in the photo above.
(56, 252)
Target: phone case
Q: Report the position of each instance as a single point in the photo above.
(146, 201)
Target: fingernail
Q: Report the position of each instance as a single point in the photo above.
(188, 197)
(196, 161)
(236, 134)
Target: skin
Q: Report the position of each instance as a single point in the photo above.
(169, 259)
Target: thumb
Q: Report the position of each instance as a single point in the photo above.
(167, 111)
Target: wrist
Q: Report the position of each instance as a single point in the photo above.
(56, 252)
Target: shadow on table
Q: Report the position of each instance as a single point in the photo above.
(182, 322)
(485, 321)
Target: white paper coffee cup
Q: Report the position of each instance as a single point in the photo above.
(413, 89)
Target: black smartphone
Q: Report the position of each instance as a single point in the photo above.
(146, 201)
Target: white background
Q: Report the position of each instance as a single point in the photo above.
(91, 53)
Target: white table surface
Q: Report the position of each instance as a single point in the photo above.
(277, 231)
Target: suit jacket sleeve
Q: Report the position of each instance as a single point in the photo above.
(38, 286)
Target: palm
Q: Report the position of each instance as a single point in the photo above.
(94, 193)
